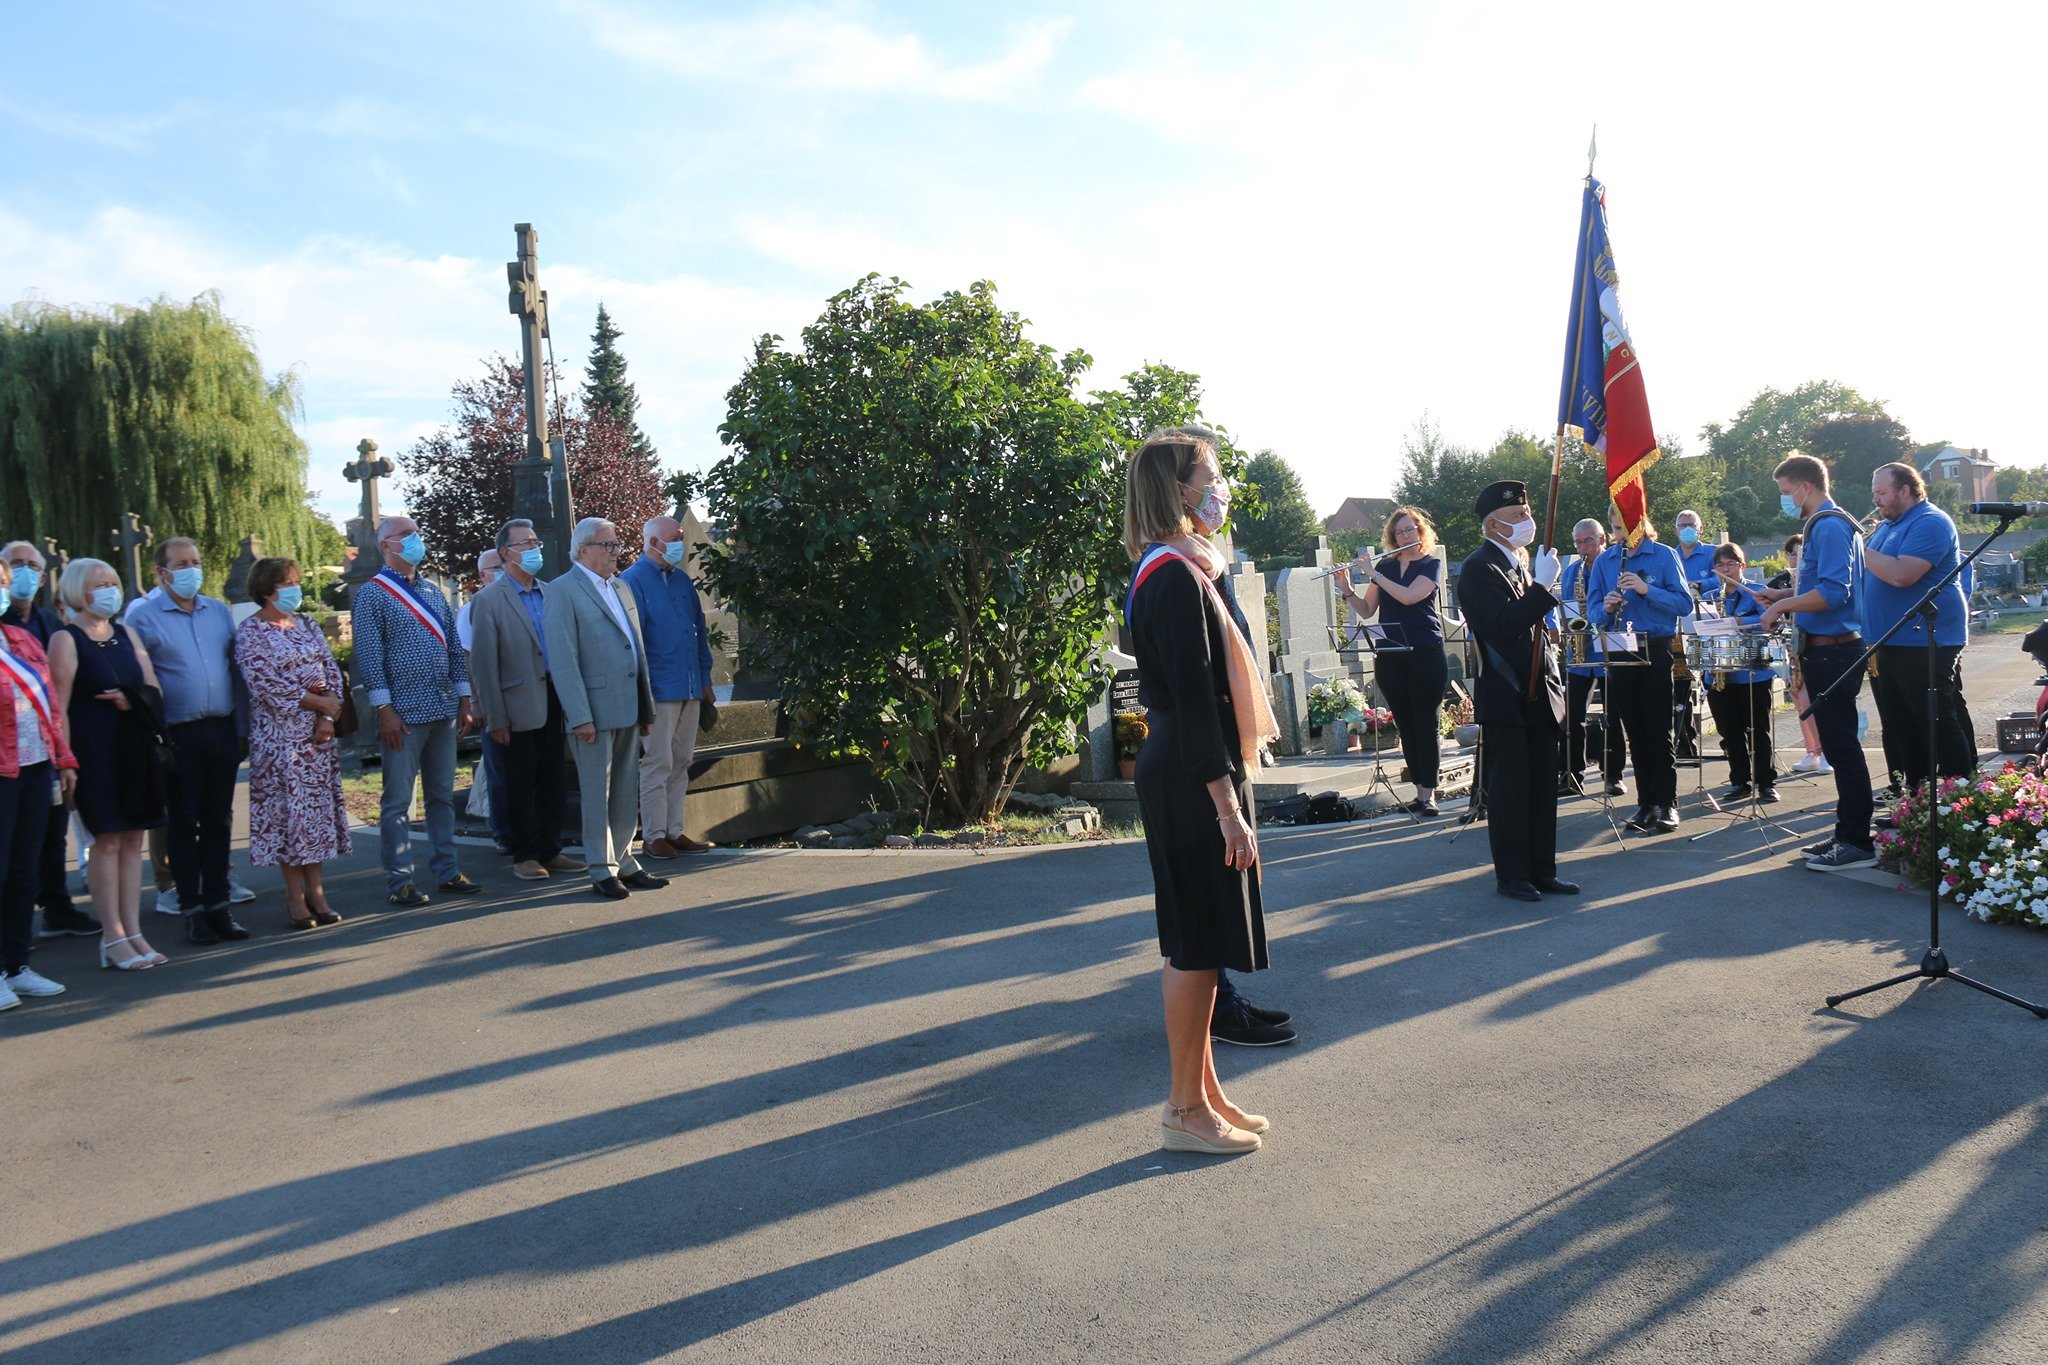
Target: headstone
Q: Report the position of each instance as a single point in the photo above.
(132, 540)
(366, 559)
(1120, 695)
(1307, 601)
(237, 589)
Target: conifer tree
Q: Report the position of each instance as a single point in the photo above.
(606, 388)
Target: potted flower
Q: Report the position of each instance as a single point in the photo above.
(1333, 706)
(1131, 731)
(1376, 727)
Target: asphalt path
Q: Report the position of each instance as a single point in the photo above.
(886, 1106)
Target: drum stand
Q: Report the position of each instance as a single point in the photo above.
(1698, 762)
(1607, 724)
(1753, 810)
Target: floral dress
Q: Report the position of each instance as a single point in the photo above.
(295, 811)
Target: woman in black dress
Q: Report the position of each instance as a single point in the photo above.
(1192, 784)
(105, 684)
(1402, 592)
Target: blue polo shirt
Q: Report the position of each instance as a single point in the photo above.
(1698, 567)
(1655, 614)
(1925, 532)
(1831, 565)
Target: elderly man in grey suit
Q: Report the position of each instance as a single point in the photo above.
(520, 715)
(599, 666)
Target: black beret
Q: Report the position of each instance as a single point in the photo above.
(1493, 497)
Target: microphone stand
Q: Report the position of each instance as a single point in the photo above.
(1934, 965)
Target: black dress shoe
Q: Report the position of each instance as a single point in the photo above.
(611, 888)
(1739, 791)
(1643, 819)
(1666, 820)
(1231, 1022)
(1767, 794)
(1516, 889)
(644, 881)
(224, 924)
(1556, 886)
(1264, 1016)
(408, 896)
(199, 930)
(459, 885)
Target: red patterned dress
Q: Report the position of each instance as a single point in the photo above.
(295, 811)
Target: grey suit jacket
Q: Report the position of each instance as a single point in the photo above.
(507, 672)
(600, 676)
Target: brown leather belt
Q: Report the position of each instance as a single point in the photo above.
(1819, 641)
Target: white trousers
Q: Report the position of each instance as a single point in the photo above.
(665, 755)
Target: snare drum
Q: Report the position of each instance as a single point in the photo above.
(1698, 652)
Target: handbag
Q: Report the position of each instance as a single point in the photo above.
(707, 716)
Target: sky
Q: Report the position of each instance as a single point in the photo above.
(1346, 218)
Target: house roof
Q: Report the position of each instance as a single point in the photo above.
(1359, 514)
(1975, 459)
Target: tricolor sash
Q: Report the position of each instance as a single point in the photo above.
(31, 684)
(406, 596)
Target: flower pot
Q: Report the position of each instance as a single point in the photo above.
(1127, 769)
(1336, 740)
(1355, 745)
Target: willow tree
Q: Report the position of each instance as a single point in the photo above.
(162, 410)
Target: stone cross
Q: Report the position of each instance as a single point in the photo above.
(55, 559)
(237, 589)
(131, 541)
(366, 470)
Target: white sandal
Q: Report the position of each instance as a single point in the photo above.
(132, 964)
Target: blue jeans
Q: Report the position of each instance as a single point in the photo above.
(428, 757)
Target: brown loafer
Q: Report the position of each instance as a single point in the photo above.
(564, 862)
(689, 845)
(529, 871)
(660, 849)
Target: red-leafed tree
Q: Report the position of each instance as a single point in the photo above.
(457, 482)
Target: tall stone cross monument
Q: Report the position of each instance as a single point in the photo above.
(132, 540)
(366, 470)
(540, 481)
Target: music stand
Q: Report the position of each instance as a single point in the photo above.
(1611, 659)
(1382, 639)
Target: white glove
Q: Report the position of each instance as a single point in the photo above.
(1545, 569)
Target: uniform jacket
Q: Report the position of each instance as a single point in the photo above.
(1505, 612)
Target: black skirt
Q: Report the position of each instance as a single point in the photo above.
(1209, 915)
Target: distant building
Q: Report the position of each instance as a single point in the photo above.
(1971, 471)
(1368, 515)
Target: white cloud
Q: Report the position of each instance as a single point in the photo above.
(818, 50)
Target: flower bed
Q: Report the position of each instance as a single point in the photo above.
(1991, 836)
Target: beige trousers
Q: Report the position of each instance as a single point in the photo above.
(665, 755)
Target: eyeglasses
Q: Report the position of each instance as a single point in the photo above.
(524, 545)
(602, 544)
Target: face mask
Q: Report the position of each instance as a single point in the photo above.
(1520, 533)
(289, 597)
(412, 549)
(1689, 535)
(672, 553)
(531, 560)
(1214, 508)
(105, 602)
(24, 582)
(1788, 505)
(185, 582)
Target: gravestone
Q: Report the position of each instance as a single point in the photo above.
(132, 540)
(237, 589)
(1307, 600)
(1120, 695)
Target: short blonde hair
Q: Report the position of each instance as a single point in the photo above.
(1422, 524)
(71, 585)
(1152, 506)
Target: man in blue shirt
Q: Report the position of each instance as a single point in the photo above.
(679, 670)
(1589, 538)
(1643, 590)
(1695, 555)
(1912, 548)
(1823, 601)
(191, 641)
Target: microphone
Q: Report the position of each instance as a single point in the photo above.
(2009, 509)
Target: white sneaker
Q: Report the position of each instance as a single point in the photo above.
(30, 982)
(1812, 763)
(167, 901)
(239, 894)
(8, 999)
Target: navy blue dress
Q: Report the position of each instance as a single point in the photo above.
(97, 731)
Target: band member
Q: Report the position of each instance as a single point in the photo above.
(1505, 605)
(1695, 554)
(1913, 547)
(1589, 538)
(1643, 590)
(1740, 698)
(1402, 591)
(1826, 607)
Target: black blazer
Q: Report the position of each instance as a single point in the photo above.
(1505, 617)
(1182, 674)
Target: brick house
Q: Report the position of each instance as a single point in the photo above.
(1971, 471)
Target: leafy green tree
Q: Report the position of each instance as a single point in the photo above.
(162, 410)
(1771, 426)
(606, 388)
(924, 520)
(1285, 524)
(1854, 447)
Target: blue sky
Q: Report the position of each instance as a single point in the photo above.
(1342, 216)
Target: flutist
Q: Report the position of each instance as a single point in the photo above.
(1402, 592)
(1505, 603)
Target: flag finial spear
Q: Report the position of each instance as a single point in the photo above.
(1592, 151)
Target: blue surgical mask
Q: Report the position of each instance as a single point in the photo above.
(1788, 505)
(289, 596)
(105, 602)
(532, 560)
(672, 553)
(24, 582)
(185, 582)
(412, 549)
(1689, 535)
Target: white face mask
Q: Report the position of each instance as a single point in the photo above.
(1520, 533)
